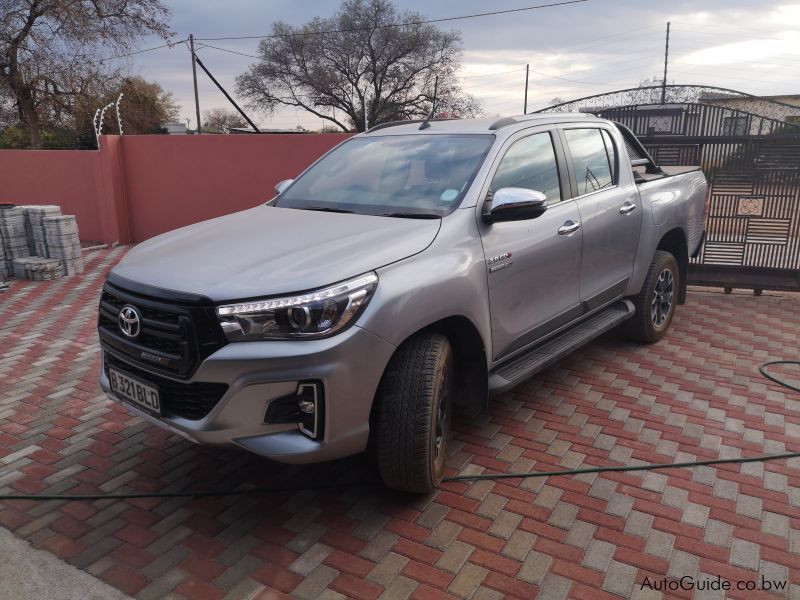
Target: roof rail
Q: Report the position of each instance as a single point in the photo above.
(405, 122)
(506, 121)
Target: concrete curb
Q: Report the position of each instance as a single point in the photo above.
(30, 574)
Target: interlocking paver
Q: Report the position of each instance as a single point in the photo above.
(695, 394)
(467, 580)
(745, 554)
(695, 514)
(620, 579)
(519, 544)
(598, 555)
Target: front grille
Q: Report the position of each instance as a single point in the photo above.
(160, 330)
(177, 331)
(178, 399)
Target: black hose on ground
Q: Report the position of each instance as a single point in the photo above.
(483, 476)
(762, 368)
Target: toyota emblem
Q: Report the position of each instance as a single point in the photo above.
(130, 323)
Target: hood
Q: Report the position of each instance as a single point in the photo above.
(266, 251)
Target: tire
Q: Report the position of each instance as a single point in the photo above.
(414, 413)
(655, 304)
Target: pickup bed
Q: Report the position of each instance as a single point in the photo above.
(412, 271)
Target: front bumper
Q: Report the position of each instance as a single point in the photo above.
(349, 366)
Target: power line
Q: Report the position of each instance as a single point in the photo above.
(551, 76)
(647, 32)
(490, 74)
(142, 51)
(228, 50)
(394, 25)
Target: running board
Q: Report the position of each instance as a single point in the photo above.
(509, 374)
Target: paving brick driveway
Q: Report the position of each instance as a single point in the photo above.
(695, 395)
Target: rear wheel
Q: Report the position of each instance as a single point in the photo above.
(414, 412)
(655, 304)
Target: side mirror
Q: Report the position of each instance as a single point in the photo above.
(516, 204)
(283, 185)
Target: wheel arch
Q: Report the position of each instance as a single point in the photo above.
(469, 353)
(674, 242)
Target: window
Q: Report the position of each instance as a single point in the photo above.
(590, 158)
(530, 163)
(416, 174)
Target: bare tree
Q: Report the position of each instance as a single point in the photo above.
(368, 58)
(220, 120)
(50, 50)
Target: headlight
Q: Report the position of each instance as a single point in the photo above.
(313, 315)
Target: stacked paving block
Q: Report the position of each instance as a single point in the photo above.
(63, 244)
(37, 268)
(36, 216)
(3, 265)
(28, 230)
(38, 243)
(13, 234)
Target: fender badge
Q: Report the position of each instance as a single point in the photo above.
(503, 256)
(500, 266)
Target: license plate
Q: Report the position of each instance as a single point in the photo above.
(135, 391)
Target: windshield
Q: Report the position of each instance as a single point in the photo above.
(399, 175)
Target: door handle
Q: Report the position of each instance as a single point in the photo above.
(627, 208)
(569, 227)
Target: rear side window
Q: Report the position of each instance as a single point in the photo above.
(590, 157)
(530, 163)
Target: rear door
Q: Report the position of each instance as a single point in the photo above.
(609, 209)
(532, 266)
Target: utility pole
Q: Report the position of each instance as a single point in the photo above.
(225, 93)
(194, 77)
(527, 71)
(666, 62)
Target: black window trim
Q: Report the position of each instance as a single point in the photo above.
(615, 169)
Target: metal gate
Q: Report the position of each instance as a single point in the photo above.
(749, 150)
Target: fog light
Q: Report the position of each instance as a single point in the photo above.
(304, 408)
(308, 402)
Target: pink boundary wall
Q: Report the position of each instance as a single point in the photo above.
(138, 186)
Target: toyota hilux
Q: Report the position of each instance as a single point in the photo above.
(412, 271)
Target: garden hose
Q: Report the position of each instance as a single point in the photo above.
(763, 370)
(478, 477)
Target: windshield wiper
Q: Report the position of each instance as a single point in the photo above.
(412, 215)
(327, 209)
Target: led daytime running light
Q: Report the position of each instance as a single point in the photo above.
(259, 306)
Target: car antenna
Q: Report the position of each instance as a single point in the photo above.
(425, 123)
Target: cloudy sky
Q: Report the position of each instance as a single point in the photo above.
(573, 51)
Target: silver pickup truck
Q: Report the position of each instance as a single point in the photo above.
(412, 271)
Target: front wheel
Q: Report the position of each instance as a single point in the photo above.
(414, 412)
(655, 304)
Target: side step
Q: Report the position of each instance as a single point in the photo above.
(522, 367)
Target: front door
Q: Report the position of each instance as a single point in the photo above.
(610, 213)
(533, 266)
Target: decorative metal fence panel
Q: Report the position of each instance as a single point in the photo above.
(750, 153)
